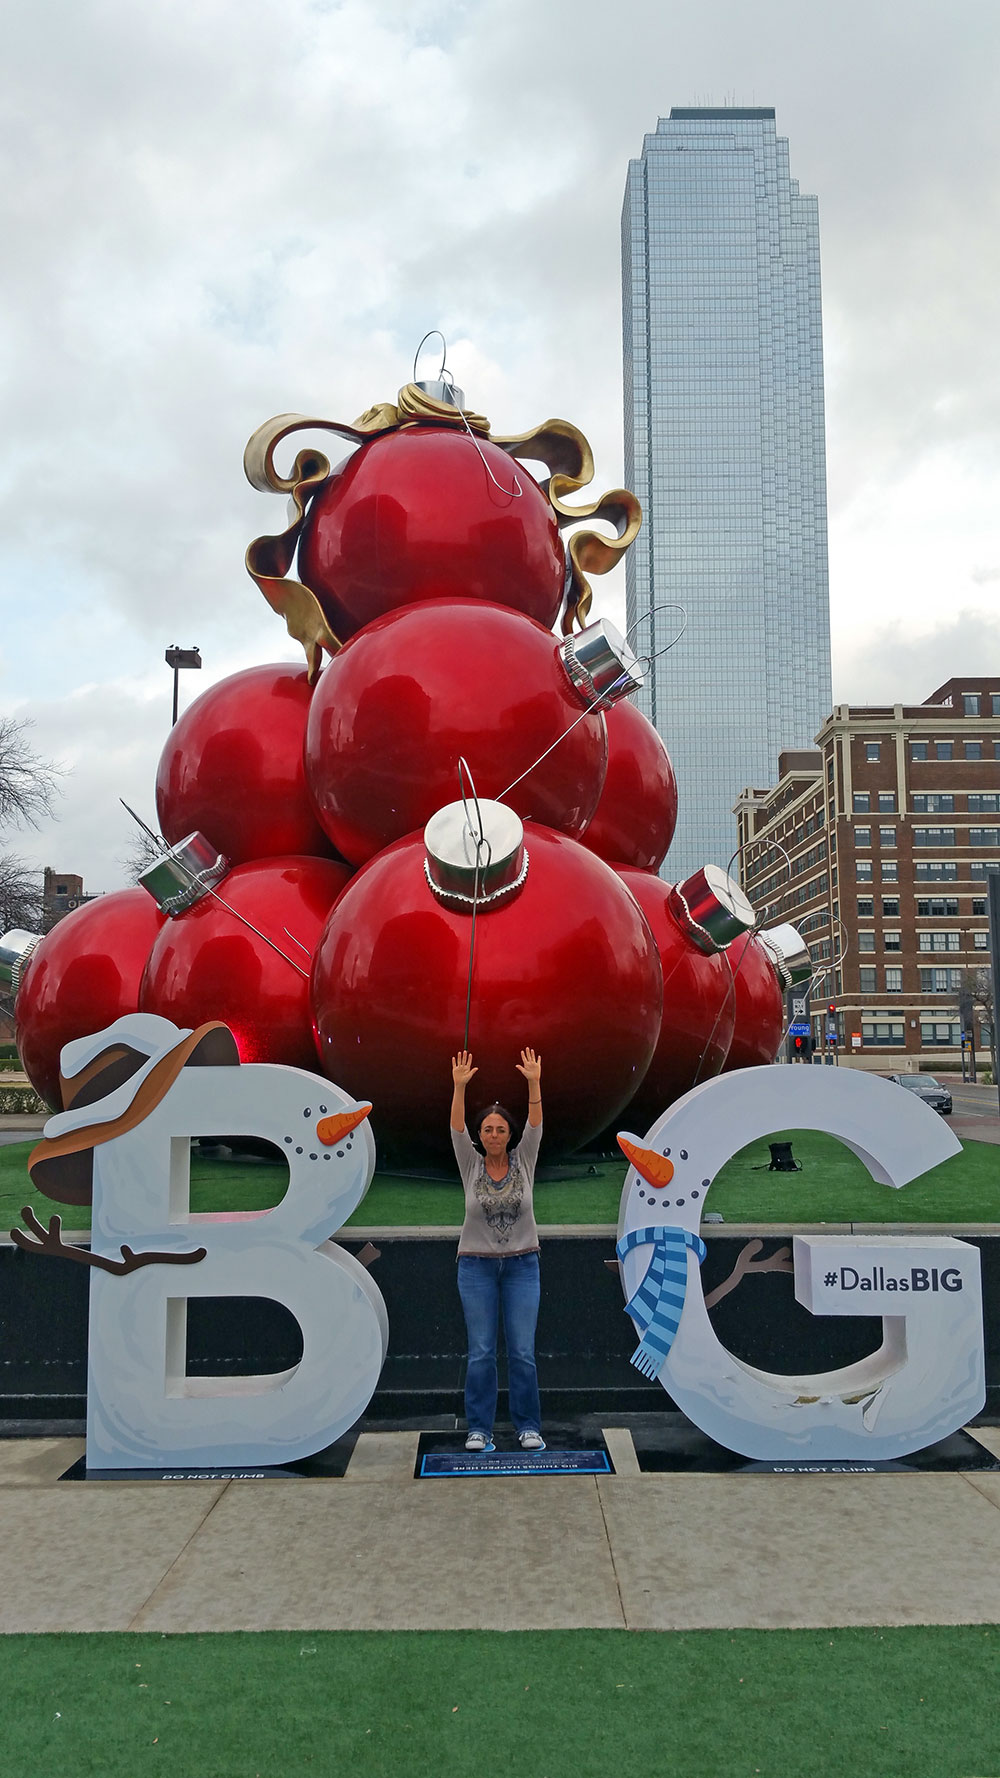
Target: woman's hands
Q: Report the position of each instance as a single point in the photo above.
(461, 1073)
(530, 1066)
(462, 1069)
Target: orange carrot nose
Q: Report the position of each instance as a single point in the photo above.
(654, 1168)
(332, 1130)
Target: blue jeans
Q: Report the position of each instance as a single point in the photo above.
(484, 1285)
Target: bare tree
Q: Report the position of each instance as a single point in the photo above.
(27, 783)
(20, 894)
(978, 983)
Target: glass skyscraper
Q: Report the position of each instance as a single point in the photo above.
(725, 448)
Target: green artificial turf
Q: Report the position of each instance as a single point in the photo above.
(901, 1703)
(833, 1186)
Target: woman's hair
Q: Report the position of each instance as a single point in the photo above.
(496, 1110)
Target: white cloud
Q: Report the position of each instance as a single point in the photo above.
(220, 212)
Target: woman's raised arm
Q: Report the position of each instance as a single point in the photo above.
(530, 1066)
(461, 1073)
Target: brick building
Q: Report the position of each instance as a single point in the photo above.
(62, 891)
(875, 844)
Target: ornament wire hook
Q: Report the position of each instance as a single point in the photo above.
(445, 376)
(482, 846)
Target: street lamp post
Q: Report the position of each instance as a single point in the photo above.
(177, 658)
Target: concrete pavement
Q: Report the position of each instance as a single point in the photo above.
(380, 1550)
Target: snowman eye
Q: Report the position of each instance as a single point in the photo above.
(684, 1154)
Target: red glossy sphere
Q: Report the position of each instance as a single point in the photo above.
(697, 1025)
(414, 515)
(760, 1008)
(634, 821)
(414, 691)
(566, 965)
(83, 975)
(206, 964)
(232, 768)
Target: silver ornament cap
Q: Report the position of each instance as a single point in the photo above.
(712, 908)
(475, 854)
(789, 953)
(185, 874)
(439, 389)
(16, 947)
(600, 664)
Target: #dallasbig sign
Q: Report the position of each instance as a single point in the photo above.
(138, 1093)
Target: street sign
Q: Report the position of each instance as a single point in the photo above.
(800, 1007)
(799, 1029)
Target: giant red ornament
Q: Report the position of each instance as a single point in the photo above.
(759, 1005)
(207, 964)
(698, 999)
(414, 691)
(564, 963)
(635, 818)
(232, 768)
(81, 976)
(426, 513)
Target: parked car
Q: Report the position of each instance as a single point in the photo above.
(926, 1088)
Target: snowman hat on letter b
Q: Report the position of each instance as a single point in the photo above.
(109, 1083)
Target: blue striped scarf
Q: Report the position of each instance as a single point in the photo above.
(659, 1300)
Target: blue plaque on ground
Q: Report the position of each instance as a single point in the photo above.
(465, 1463)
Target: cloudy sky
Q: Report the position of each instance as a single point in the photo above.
(218, 210)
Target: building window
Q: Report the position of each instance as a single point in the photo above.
(940, 981)
(934, 836)
(890, 870)
(934, 1034)
(940, 804)
(883, 1033)
(890, 907)
(978, 906)
(866, 941)
(894, 981)
(862, 836)
(873, 751)
(944, 750)
(862, 802)
(863, 870)
(938, 941)
(973, 749)
(887, 802)
(886, 836)
(866, 907)
(987, 803)
(829, 770)
(941, 907)
(996, 704)
(980, 940)
(941, 871)
(918, 750)
(981, 836)
(866, 978)
(970, 703)
(892, 941)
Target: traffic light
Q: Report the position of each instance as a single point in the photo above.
(832, 1008)
(798, 1043)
